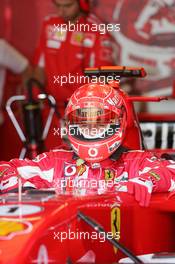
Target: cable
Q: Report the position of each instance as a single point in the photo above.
(99, 229)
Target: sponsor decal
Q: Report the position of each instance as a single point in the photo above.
(114, 101)
(77, 38)
(79, 162)
(81, 167)
(57, 35)
(115, 224)
(69, 169)
(109, 174)
(54, 38)
(60, 35)
(122, 178)
(75, 169)
(93, 152)
(114, 146)
(10, 229)
(155, 175)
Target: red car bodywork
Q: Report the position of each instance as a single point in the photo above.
(34, 237)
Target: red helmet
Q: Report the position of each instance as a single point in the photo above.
(84, 5)
(96, 121)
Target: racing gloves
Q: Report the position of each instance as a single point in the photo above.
(141, 189)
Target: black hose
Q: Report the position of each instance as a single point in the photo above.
(116, 244)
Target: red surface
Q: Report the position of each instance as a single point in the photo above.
(147, 117)
(143, 230)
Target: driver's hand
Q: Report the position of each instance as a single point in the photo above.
(140, 188)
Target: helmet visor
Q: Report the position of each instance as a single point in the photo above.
(93, 123)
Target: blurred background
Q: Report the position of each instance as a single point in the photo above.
(146, 38)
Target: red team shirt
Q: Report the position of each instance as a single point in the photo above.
(56, 168)
(63, 53)
(67, 52)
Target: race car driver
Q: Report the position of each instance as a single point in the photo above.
(98, 127)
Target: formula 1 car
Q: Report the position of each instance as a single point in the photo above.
(46, 228)
(40, 226)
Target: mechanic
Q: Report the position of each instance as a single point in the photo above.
(64, 50)
(14, 61)
(98, 129)
(66, 47)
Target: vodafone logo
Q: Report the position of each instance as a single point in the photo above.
(69, 170)
(92, 152)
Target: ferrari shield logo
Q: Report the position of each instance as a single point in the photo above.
(115, 224)
(77, 38)
(109, 175)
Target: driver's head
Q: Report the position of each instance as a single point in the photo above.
(96, 121)
(69, 10)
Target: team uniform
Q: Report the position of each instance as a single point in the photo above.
(64, 52)
(63, 170)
